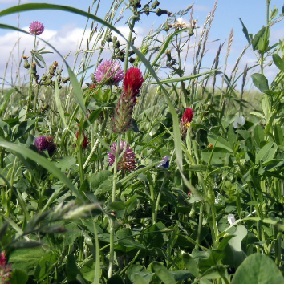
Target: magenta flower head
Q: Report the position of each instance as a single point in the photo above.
(5, 269)
(36, 28)
(133, 81)
(43, 143)
(127, 160)
(109, 72)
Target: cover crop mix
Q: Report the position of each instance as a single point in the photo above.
(132, 168)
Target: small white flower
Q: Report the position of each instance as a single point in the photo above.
(181, 24)
(231, 219)
(238, 122)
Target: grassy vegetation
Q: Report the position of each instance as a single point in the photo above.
(177, 180)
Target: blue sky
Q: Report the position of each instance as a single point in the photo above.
(252, 13)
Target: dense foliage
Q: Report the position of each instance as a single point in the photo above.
(135, 179)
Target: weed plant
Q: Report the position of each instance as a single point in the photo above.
(129, 176)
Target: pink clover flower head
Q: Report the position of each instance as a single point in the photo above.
(109, 72)
(127, 161)
(36, 28)
(5, 269)
(43, 143)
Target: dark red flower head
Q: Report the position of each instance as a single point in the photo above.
(187, 116)
(133, 81)
(84, 141)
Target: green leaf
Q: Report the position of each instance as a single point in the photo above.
(220, 142)
(266, 153)
(139, 275)
(258, 269)
(18, 277)
(163, 273)
(260, 40)
(191, 264)
(71, 268)
(215, 157)
(23, 259)
(260, 81)
(245, 31)
(116, 205)
(66, 163)
(258, 133)
(278, 61)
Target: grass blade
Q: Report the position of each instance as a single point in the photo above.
(24, 151)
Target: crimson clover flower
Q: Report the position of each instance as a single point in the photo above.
(109, 72)
(132, 82)
(43, 143)
(127, 160)
(186, 119)
(36, 28)
(5, 269)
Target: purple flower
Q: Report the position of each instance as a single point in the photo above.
(127, 161)
(36, 28)
(164, 162)
(109, 72)
(43, 143)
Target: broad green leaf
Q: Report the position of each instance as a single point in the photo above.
(260, 40)
(266, 153)
(258, 134)
(279, 62)
(240, 234)
(139, 275)
(66, 163)
(215, 157)
(163, 273)
(220, 142)
(18, 277)
(181, 275)
(25, 259)
(71, 268)
(258, 269)
(191, 264)
(260, 81)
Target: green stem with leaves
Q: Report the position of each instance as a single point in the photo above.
(113, 197)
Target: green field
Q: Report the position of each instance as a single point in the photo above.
(135, 178)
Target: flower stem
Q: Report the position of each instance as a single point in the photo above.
(132, 24)
(111, 221)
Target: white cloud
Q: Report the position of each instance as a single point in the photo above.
(66, 40)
